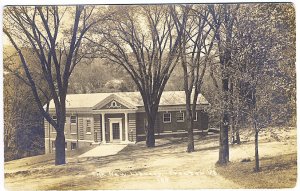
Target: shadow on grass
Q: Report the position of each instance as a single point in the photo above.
(276, 172)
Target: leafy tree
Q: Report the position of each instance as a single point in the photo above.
(261, 72)
(95, 76)
(23, 128)
(223, 19)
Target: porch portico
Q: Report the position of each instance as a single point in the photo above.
(117, 119)
(116, 128)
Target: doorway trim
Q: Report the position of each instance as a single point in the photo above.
(115, 120)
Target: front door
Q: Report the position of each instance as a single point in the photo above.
(116, 131)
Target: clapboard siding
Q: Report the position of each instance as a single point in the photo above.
(80, 128)
(97, 128)
(132, 126)
(46, 127)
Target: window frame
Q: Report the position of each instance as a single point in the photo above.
(196, 115)
(51, 127)
(53, 145)
(113, 103)
(72, 144)
(71, 119)
(54, 118)
(90, 127)
(164, 121)
(183, 117)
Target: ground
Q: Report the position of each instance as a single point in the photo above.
(165, 166)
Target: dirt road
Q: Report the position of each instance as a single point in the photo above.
(166, 166)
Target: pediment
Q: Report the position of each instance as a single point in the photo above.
(113, 102)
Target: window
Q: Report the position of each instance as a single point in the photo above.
(53, 145)
(73, 119)
(66, 145)
(114, 104)
(196, 116)
(73, 129)
(167, 117)
(73, 146)
(179, 116)
(88, 126)
(51, 127)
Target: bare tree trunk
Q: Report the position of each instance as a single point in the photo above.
(231, 130)
(189, 122)
(150, 136)
(237, 134)
(224, 147)
(256, 151)
(60, 153)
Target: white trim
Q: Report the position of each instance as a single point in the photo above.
(115, 120)
(138, 108)
(103, 127)
(164, 118)
(162, 108)
(110, 111)
(126, 127)
(74, 140)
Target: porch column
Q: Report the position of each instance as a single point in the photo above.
(126, 127)
(103, 128)
(121, 132)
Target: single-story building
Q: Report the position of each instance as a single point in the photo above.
(117, 118)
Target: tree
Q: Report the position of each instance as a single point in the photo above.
(23, 128)
(141, 39)
(194, 49)
(223, 18)
(57, 48)
(100, 75)
(262, 70)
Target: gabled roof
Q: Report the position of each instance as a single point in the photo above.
(130, 98)
(114, 97)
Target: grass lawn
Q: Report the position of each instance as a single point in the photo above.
(166, 166)
(276, 172)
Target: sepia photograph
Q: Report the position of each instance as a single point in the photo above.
(149, 96)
